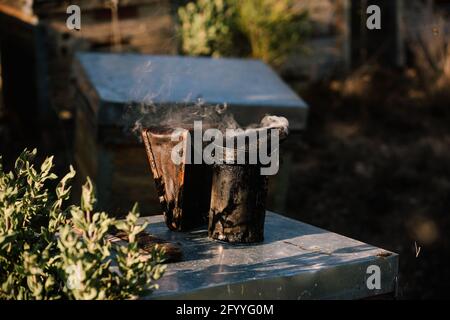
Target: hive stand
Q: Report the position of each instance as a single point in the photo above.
(295, 261)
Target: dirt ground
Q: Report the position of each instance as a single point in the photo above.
(376, 167)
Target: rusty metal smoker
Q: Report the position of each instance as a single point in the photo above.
(238, 203)
(184, 189)
(239, 192)
(231, 195)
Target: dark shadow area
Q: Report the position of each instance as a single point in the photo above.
(375, 166)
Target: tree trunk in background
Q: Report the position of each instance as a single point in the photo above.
(383, 46)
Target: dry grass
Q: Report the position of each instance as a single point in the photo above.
(428, 36)
(355, 84)
(428, 39)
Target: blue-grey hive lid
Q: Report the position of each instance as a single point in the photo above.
(249, 87)
(295, 261)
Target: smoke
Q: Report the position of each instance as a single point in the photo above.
(268, 122)
(143, 116)
(280, 123)
(147, 113)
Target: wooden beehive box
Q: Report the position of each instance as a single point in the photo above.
(144, 26)
(23, 59)
(39, 29)
(108, 84)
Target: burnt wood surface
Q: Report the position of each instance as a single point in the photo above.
(238, 203)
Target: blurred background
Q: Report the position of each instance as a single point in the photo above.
(374, 161)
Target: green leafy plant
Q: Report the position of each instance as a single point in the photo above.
(274, 28)
(266, 29)
(207, 27)
(49, 250)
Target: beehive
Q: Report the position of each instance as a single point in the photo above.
(108, 84)
(37, 29)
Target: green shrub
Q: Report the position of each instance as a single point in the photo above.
(207, 28)
(273, 27)
(51, 251)
(266, 29)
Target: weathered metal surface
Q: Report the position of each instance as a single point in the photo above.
(238, 203)
(238, 196)
(239, 191)
(249, 87)
(184, 189)
(295, 261)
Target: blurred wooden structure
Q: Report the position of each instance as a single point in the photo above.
(327, 52)
(36, 42)
(384, 46)
(340, 40)
(24, 65)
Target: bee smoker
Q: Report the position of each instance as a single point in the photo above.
(184, 189)
(238, 196)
